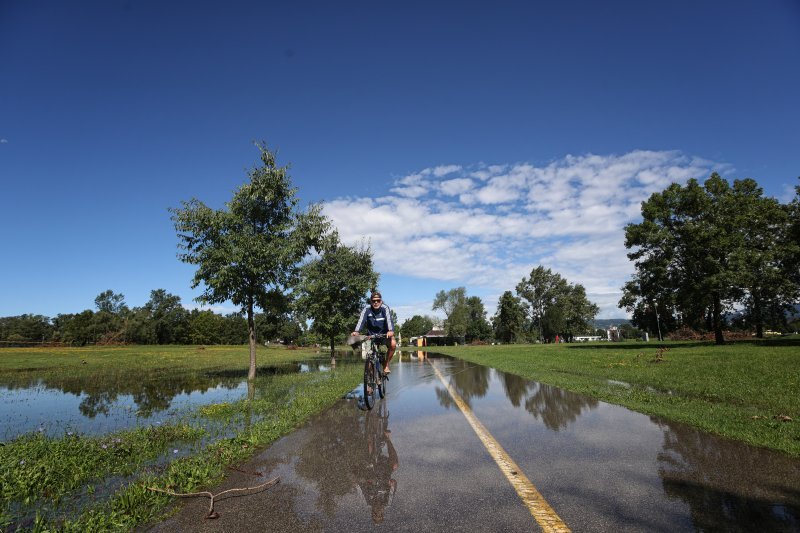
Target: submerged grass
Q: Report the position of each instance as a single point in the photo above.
(748, 391)
(36, 469)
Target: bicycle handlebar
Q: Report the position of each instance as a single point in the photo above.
(354, 339)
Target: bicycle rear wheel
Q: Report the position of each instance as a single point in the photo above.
(369, 383)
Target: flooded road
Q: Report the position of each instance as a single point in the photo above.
(416, 463)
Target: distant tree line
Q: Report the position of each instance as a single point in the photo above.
(162, 320)
(713, 256)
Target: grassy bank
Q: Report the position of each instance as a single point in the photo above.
(99, 483)
(743, 391)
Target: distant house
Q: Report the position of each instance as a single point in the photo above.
(435, 337)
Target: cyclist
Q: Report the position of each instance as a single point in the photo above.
(377, 317)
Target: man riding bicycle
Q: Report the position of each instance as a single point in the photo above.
(377, 317)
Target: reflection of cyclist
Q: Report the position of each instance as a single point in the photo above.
(374, 470)
(377, 317)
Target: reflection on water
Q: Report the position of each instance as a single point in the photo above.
(728, 485)
(725, 485)
(352, 452)
(376, 462)
(470, 380)
(555, 407)
(117, 400)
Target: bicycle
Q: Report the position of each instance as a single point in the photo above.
(375, 379)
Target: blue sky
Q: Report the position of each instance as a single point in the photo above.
(468, 141)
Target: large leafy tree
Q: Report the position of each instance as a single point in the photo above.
(509, 320)
(333, 287)
(761, 256)
(557, 307)
(702, 248)
(253, 248)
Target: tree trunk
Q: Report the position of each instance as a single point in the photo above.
(718, 338)
(333, 349)
(759, 317)
(251, 326)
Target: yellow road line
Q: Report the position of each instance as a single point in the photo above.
(544, 515)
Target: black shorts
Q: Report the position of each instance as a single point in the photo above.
(383, 341)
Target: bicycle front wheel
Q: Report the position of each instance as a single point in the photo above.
(369, 383)
(382, 381)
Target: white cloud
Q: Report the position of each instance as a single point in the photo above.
(445, 170)
(487, 226)
(456, 186)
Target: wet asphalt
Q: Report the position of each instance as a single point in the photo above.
(413, 463)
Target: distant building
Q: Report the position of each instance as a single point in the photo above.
(435, 337)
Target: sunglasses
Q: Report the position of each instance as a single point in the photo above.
(376, 301)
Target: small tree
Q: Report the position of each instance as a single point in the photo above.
(416, 326)
(252, 248)
(454, 305)
(333, 287)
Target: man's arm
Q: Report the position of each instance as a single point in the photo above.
(360, 322)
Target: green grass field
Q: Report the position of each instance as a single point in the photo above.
(749, 391)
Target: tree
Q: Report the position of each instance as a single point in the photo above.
(77, 328)
(333, 288)
(169, 318)
(557, 307)
(453, 304)
(477, 326)
(509, 321)
(416, 326)
(205, 327)
(700, 249)
(578, 311)
(26, 328)
(252, 249)
(110, 302)
(109, 320)
(761, 255)
(540, 291)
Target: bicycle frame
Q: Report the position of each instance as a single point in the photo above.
(374, 378)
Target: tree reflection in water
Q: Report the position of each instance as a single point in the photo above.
(371, 459)
(151, 391)
(320, 461)
(470, 380)
(555, 407)
(729, 485)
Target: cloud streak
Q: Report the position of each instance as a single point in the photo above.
(485, 227)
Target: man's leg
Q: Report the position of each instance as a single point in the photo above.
(390, 353)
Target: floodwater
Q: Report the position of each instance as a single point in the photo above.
(414, 463)
(109, 403)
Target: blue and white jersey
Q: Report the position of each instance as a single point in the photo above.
(377, 320)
